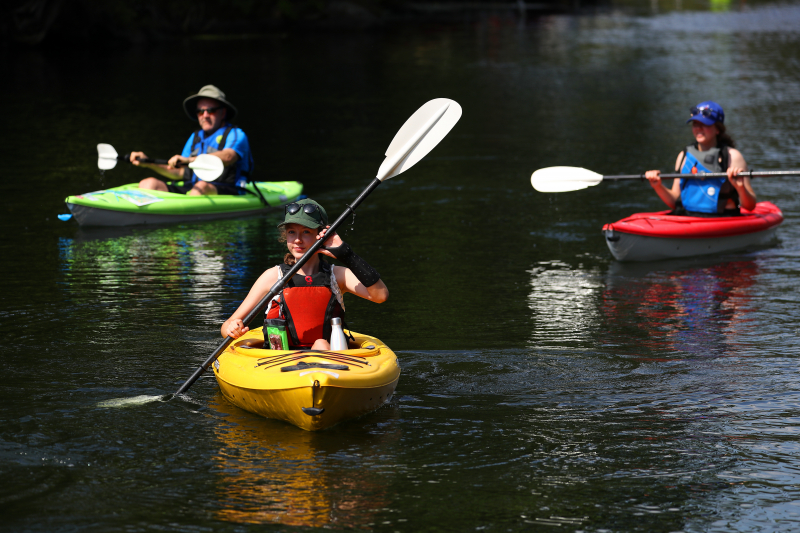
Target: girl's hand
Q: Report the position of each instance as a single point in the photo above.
(333, 241)
(236, 329)
(736, 180)
(654, 177)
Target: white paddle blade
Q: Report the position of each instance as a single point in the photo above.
(418, 136)
(207, 167)
(564, 179)
(106, 156)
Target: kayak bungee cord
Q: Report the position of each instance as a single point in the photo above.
(297, 356)
(311, 353)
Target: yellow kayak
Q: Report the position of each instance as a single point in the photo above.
(311, 389)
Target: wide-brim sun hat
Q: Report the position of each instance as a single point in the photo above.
(316, 218)
(708, 113)
(208, 91)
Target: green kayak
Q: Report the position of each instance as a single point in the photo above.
(128, 205)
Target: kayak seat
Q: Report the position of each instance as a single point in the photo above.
(250, 344)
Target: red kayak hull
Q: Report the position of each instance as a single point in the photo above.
(654, 236)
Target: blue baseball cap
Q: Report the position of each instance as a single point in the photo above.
(708, 113)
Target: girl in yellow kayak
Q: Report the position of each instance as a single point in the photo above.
(712, 151)
(313, 296)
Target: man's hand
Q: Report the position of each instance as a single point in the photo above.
(177, 161)
(136, 156)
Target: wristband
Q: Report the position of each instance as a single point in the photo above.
(364, 273)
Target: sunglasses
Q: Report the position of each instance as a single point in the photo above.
(706, 112)
(211, 110)
(293, 208)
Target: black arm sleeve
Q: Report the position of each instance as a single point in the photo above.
(362, 270)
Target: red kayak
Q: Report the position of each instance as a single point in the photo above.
(654, 236)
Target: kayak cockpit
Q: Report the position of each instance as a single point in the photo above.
(254, 347)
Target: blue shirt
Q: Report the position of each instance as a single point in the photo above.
(237, 140)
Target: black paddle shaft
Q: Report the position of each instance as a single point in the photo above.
(259, 309)
(748, 174)
(127, 157)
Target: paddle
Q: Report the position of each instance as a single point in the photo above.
(207, 167)
(566, 179)
(418, 136)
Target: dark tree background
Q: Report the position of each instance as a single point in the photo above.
(33, 22)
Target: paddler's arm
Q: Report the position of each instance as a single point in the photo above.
(228, 155)
(359, 277)
(747, 196)
(167, 171)
(234, 327)
(669, 196)
(348, 282)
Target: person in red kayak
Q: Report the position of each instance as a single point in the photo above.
(712, 151)
(313, 296)
(217, 136)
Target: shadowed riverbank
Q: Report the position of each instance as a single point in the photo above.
(32, 22)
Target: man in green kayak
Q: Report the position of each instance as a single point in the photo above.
(216, 136)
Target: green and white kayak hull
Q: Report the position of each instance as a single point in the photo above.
(128, 205)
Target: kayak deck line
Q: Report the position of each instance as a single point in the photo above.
(305, 366)
(655, 236)
(299, 356)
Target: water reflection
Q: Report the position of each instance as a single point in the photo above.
(271, 472)
(200, 265)
(691, 308)
(564, 303)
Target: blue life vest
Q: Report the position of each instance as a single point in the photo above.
(227, 137)
(709, 195)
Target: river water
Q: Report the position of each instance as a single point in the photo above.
(544, 384)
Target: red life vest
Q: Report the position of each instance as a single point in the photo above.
(308, 304)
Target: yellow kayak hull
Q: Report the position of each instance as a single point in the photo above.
(312, 390)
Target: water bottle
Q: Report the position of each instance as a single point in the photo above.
(338, 340)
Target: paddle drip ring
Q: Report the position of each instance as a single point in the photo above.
(352, 222)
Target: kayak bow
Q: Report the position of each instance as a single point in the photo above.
(313, 390)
